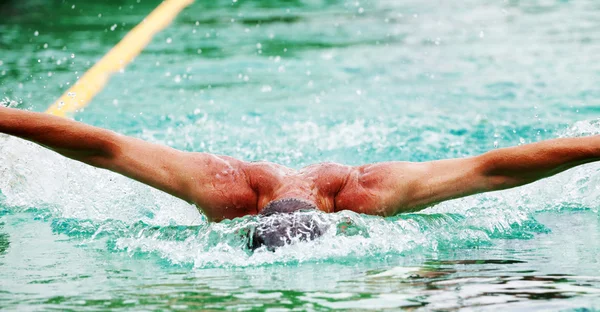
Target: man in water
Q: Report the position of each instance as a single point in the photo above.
(225, 188)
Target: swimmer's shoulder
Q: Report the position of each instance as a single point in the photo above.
(329, 176)
(326, 166)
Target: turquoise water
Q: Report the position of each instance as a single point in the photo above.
(299, 82)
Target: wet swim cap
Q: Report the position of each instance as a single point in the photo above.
(282, 221)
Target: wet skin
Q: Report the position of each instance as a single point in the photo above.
(245, 188)
(225, 188)
(318, 184)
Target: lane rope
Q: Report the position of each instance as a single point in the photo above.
(94, 80)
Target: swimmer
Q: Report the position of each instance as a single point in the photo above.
(225, 188)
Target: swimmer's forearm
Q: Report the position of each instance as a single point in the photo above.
(515, 166)
(69, 138)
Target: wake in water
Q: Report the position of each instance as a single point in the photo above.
(100, 207)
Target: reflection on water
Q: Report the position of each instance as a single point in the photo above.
(468, 283)
(452, 285)
(4, 241)
(515, 273)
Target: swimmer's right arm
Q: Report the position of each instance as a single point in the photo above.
(69, 138)
(189, 176)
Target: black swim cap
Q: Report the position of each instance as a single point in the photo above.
(282, 221)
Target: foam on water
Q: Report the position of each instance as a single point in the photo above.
(104, 208)
(36, 177)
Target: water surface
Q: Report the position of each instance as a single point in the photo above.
(299, 82)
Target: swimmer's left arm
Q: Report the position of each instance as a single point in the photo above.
(395, 187)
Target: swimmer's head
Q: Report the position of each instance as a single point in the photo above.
(280, 224)
(287, 205)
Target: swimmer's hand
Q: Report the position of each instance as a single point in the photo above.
(395, 187)
(189, 176)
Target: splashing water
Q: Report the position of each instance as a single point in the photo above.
(94, 204)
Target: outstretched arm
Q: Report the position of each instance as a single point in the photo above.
(395, 187)
(189, 176)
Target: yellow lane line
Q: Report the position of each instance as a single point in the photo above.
(94, 80)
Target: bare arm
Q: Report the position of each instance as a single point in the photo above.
(395, 187)
(189, 176)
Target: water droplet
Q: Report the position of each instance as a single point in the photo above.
(481, 34)
(45, 46)
(522, 141)
(113, 27)
(266, 88)
(36, 33)
(72, 55)
(495, 144)
(99, 15)
(72, 94)
(359, 92)
(72, 7)
(259, 46)
(1, 63)
(61, 104)
(169, 40)
(361, 10)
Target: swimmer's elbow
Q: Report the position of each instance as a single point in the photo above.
(100, 153)
(493, 175)
(503, 182)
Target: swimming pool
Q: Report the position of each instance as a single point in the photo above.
(299, 82)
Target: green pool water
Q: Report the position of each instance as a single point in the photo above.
(300, 82)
